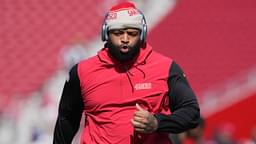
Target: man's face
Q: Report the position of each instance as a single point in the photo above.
(124, 44)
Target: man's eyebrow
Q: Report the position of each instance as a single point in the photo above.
(133, 31)
(114, 31)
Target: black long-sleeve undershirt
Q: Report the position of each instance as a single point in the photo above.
(183, 104)
(70, 110)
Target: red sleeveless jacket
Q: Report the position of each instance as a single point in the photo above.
(110, 92)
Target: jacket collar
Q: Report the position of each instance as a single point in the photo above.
(104, 56)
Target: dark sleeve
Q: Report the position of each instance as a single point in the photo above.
(70, 110)
(183, 104)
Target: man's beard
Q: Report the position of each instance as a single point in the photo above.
(116, 53)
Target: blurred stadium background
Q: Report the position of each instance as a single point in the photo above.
(214, 41)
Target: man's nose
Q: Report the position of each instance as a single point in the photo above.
(125, 38)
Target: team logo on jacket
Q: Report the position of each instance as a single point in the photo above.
(143, 86)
